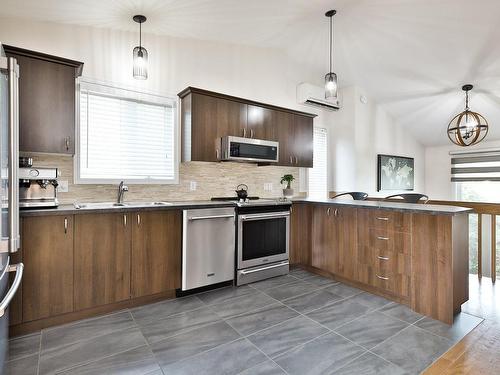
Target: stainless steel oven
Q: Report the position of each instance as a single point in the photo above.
(263, 240)
(249, 149)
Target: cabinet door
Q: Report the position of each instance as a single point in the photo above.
(205, 144)
(345, 246)
(231, 118)
(300, 236)
(285, 137)
(48, 266)
(262, 123)
(303, 141)
(156, 252)
(324, 236)
(46, 106)
(102, 259)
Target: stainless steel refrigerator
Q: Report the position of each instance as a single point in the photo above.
(9, 193)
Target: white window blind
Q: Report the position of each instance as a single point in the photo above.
(125, 135)
(318, 175)
(475, 167)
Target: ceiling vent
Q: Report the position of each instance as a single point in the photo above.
(312, 95)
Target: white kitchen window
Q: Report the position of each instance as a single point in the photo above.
(125, 135)
(318, 175)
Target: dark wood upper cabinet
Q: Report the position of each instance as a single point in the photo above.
(46, 101)
(207, 116)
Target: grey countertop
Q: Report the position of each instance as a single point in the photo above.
(69, 209)
(432, 209)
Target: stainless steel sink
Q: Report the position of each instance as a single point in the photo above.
(107, 205)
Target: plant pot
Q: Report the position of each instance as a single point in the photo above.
(288, 193)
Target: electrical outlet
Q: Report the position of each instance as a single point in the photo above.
(192, 185)
(62, 187)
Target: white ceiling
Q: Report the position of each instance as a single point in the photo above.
(412, 56)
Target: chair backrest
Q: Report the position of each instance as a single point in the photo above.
(410, 197)
(356, 195)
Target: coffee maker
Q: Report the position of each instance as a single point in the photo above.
(37, 187)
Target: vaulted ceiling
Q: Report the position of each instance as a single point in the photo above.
(411, 56)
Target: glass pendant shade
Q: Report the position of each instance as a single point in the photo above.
(331, 86)
(467, 128)
(140, 56)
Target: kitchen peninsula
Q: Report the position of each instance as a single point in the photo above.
(414, 254)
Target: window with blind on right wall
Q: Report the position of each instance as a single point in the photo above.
(318, 175)
(476, 176)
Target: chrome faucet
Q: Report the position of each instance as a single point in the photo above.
(122, 188)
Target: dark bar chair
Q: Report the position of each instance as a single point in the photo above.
(356, 195)
(410, 197)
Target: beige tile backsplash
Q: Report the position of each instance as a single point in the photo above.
(213, 179)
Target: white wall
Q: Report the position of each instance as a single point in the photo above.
(357, 134)
(438, 173)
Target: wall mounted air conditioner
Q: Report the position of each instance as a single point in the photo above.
(312, 95)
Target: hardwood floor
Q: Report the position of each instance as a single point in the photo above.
(477, 353)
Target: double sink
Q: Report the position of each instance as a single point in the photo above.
(107, 205)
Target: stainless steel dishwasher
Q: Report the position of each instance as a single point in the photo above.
(208, 247)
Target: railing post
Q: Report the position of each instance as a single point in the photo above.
(493, 248)
(479, 245)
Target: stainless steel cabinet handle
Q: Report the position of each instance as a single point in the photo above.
(328, 211)
(382, 277)
(336, 212)
(67, 142)
(65, 225)
(296, 160)
(125, 220)
(210, 217)
(217, 154)
(383, 238)
(18, 268)
(138, 219)
(244, 132)
(383, 218)
(382, 258)
(251, 133)
(291, 159)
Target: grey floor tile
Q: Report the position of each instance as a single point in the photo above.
(273, 282)
(319, 280)
(413, 349)
(163, 309)
(371, 329)
(254, 321)
(301, 273)
(370, 364)
(343, 290)
(287, 335)
(138, 361)
(402, 312)
(81, 352)
(291, 290)
(24, 346)
(463, 324)
(323, 355)
(188, 344)
(176, 324)
(22, 366)
(339, 313)
(265, 368)
(86, 329)
(370, 300)
(242, 304)
(225, 294)
(228, 359)
(312, 301)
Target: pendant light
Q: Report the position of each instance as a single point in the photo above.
(140, 54)
(331, 83)
(467, 128)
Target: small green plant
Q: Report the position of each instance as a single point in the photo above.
(288, 178)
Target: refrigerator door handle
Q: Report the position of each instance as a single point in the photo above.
(18, 269)
(14, 235)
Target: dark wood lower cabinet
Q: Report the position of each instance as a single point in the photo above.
(47, 253)
(300, 234)
(156, 252)
(102, 259)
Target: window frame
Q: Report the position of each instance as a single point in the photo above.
(166, 99)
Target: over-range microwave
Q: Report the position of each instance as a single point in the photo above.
(249, 150)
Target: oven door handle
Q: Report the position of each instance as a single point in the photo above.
(246, 272)
(272, 215)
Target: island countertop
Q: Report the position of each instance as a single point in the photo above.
(433, 209)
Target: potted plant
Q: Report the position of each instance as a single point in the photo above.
(287, 191)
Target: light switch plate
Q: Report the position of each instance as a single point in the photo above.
(62, 187)
(192, 185)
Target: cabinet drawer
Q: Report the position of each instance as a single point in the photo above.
(395, 283)
(387, 220)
